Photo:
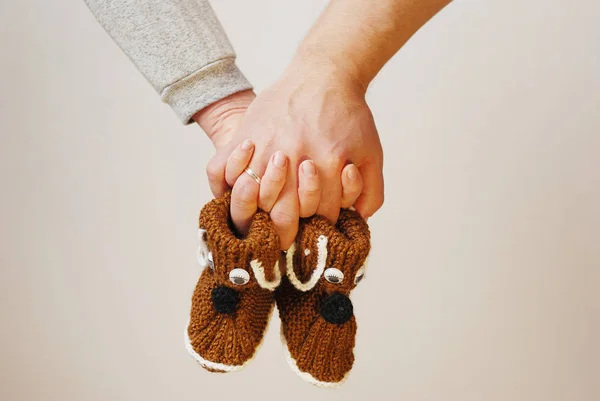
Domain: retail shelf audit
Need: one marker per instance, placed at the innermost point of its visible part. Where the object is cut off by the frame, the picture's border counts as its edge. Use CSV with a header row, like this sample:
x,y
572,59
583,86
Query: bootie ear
x,y
355,236
265,261
307,257
230,306
355,229
318,326
203,254
225,251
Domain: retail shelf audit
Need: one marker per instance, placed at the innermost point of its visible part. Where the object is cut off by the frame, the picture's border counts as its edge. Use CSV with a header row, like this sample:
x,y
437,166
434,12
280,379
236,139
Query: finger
x,y
244,203
238,161
309,188
371,198
285,213
272,182
352,185
331,195
215,171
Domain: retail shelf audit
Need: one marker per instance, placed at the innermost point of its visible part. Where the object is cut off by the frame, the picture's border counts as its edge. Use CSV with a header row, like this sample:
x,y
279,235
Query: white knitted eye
x,y
359,275
333,275
211,262
239,276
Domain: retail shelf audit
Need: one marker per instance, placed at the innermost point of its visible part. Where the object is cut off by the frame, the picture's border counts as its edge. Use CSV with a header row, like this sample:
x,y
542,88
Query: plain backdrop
x,y
485,271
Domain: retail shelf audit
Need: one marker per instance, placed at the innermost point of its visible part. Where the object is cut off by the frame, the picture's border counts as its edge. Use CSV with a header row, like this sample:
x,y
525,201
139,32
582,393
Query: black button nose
x,y
224,299
336,308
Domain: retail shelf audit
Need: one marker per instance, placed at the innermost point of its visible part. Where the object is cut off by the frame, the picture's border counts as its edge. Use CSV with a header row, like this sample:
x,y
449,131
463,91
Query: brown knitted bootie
x,y
318,327
233,299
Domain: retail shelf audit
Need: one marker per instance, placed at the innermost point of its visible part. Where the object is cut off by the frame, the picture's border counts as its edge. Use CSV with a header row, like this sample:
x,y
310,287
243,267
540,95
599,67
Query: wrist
x,y
220,118
312,61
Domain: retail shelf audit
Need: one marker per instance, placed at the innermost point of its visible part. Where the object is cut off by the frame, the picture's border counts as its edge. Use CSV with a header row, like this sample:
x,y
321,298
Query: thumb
x,y
215,171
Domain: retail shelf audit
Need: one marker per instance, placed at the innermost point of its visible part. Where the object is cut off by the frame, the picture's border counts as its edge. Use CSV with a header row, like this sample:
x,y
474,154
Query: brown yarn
x,y
320,348
230,251
232,338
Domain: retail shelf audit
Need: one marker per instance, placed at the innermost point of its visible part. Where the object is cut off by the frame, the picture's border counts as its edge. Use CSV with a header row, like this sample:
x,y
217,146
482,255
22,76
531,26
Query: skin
x,y
247,195
312,135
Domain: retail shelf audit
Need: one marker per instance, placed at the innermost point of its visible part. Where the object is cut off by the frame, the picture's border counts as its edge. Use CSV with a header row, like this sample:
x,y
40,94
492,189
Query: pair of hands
x,y
312,139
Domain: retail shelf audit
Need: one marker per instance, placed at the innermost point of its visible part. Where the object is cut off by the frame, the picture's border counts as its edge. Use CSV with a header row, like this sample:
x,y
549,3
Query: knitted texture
x,y
317,322
230,310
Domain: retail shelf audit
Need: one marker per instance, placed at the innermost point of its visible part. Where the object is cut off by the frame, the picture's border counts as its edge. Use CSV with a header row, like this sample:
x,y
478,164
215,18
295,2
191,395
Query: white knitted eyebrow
x,y
259,274
316,274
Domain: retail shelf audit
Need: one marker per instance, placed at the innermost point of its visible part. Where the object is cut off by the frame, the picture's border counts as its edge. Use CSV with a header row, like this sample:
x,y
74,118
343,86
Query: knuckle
x,y
214,170
310,191
277,179
235,159
266,200
283,218
244,194
239,156
373,205
309,184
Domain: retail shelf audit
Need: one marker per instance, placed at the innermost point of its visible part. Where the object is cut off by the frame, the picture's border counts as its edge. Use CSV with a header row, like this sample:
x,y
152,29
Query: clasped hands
x,y
310,138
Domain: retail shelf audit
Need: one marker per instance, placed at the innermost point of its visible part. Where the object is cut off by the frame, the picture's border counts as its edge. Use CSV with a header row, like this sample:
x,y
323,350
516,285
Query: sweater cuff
x,y
204,87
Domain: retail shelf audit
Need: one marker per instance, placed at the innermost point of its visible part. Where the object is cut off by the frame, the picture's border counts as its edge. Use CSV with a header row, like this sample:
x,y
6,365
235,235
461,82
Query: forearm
x,y
360,36
178,45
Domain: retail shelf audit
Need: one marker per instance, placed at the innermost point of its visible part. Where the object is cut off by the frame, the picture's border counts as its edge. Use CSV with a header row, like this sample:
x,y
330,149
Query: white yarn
x,y
305,375
221,366
209,364
321,260
202,252
259,274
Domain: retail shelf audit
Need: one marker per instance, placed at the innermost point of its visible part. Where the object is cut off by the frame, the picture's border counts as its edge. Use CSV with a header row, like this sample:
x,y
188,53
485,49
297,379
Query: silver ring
x,y
253,175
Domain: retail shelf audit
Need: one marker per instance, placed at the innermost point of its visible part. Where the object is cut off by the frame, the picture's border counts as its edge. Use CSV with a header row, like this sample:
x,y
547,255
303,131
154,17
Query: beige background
x,y
486,256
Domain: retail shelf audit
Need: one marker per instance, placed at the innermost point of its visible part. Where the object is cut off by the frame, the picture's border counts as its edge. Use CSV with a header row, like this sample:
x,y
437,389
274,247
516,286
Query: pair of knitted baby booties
x,y
243,278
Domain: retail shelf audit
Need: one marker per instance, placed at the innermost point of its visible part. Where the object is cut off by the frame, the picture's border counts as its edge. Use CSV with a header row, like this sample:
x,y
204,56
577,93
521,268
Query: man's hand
x,y
310,166
317,111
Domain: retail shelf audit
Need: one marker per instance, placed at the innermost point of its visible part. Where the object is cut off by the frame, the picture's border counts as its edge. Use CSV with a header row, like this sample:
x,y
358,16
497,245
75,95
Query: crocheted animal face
x,y
233,298
317,320
238,271
330,260
239,263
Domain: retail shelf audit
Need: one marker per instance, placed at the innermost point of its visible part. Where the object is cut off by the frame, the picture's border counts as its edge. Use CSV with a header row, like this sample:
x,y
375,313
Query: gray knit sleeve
x,y
178,45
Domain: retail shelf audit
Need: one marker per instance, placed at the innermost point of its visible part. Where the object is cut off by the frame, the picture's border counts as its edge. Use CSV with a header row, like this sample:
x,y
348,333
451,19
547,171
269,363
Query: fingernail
x,y
352,173
247,144
308,167
279,159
